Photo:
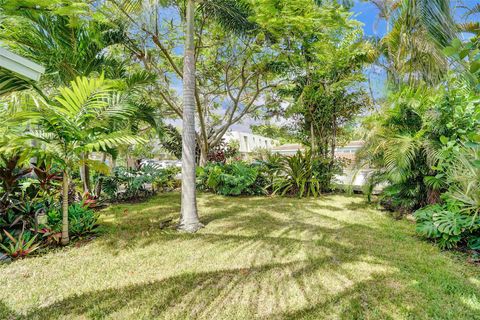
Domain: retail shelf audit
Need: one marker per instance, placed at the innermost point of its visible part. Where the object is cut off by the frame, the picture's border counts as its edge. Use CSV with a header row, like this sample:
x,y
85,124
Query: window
x,y
245,139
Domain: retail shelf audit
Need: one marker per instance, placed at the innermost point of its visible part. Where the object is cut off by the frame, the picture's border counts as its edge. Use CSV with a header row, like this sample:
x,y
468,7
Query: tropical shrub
x,y
223,152
233,179
304,175
456,220
24,199
133,184
403,150
448,225
166,179
82,220
270,164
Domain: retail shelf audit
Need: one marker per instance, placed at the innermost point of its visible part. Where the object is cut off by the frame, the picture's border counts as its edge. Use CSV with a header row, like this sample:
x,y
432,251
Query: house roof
x,y
297,146
20,65
289,147
355,143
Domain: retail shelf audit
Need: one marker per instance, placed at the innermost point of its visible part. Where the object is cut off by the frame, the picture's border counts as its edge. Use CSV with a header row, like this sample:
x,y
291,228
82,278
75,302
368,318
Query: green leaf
x,y
449,51
474,137
476,163
464,53
475,66
428,229
456,43
472,145
451,223
474,243
444,140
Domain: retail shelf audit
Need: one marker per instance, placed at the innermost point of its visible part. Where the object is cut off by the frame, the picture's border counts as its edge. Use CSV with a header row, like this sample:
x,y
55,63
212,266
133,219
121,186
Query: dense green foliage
x,y
30,212
301,175
233,179
304,175
424,143
82,220
133,184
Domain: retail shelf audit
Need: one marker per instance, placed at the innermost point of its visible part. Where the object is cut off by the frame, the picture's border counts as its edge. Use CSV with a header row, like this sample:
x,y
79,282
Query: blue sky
x,y
367,13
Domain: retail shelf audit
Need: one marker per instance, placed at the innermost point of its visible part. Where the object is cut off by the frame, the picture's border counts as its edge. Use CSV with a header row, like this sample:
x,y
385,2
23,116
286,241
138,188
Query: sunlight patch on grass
x,y
472,302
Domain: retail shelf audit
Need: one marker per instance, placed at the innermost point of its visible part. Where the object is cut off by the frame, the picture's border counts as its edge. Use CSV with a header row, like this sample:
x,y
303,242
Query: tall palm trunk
x,y
189,217
65,238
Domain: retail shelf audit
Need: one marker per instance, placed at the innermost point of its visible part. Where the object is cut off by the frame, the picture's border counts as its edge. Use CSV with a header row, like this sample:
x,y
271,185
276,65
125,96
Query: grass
x,y
266,258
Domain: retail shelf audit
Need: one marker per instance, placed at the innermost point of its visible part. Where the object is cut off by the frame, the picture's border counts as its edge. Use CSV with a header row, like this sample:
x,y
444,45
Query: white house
x,y
250,142
348,151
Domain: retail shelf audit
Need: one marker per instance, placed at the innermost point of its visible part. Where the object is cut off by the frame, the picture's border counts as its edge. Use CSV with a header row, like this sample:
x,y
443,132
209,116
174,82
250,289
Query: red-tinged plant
x,y
11,172
89,201
19,248
46,176
50,236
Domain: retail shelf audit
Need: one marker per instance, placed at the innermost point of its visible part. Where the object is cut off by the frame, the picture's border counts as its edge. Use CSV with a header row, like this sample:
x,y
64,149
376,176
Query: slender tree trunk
x,y
113,164
334,134
129,160
85,174
88,182
189,217
98,187
65,239
312,138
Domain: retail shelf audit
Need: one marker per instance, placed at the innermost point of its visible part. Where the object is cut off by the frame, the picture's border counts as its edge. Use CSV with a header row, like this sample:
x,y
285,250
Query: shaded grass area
x,y
258,258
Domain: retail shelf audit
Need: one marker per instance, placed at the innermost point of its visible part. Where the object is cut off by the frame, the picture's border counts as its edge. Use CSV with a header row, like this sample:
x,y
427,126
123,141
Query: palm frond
x,y
111,141
470,26
85,95
231,14
10,82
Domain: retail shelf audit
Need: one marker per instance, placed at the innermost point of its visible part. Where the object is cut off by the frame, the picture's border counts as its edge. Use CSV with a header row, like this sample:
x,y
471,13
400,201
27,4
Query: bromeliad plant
x,y
19,247
76,122
304,175
82,220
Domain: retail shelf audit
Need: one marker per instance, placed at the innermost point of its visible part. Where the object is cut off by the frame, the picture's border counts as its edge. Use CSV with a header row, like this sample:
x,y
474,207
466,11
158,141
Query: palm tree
x,y
189,216
401,147
417,31
67,49
66,131
231,15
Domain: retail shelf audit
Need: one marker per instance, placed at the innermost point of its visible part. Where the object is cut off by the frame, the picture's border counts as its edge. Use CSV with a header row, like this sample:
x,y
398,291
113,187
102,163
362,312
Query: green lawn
x,y
267,258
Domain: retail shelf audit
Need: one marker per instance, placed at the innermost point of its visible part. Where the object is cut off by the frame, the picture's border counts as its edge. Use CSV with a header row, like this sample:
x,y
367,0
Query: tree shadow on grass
x,y
244,293
295,262
274,291
6,313
275,224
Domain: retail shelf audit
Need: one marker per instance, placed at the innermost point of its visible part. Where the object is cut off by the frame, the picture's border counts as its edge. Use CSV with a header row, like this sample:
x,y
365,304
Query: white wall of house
x,y
250,142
